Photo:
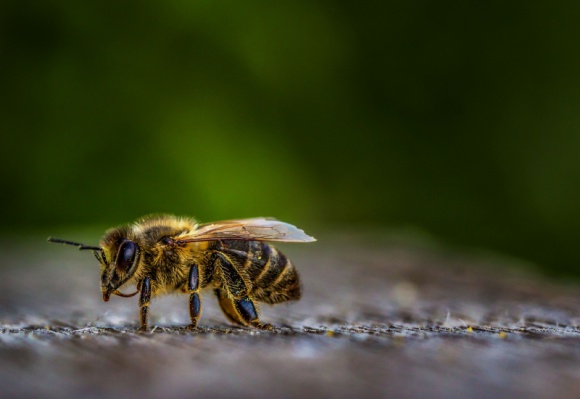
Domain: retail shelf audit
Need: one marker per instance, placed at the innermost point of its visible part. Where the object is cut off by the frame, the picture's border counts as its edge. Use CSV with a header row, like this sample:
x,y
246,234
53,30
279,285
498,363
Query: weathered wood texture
x,y
380,320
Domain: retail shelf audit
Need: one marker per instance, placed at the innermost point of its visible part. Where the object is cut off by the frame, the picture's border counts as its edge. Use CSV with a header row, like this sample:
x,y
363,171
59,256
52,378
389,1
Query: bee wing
x,y
255,229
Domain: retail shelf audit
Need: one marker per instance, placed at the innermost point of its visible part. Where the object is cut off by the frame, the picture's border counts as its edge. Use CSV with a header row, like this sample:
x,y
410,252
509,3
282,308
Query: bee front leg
x,y
144,300
194,298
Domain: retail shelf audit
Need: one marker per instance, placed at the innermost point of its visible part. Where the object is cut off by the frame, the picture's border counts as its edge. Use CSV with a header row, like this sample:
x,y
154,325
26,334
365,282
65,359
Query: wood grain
x,y
379,318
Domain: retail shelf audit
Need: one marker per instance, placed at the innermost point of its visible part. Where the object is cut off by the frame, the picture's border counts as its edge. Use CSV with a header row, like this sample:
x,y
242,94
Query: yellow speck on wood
x,y
502,334
469,329
330,333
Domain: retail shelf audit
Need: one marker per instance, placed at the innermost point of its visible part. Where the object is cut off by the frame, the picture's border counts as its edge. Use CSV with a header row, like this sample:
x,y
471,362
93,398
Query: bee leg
x,y
235,302
144,300
194,298
234,281
247,310
194,310
240,311
227,306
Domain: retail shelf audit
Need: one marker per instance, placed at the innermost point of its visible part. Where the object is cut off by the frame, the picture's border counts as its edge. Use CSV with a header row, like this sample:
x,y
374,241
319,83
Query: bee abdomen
x,y
274,279
258,257
272,269
278,280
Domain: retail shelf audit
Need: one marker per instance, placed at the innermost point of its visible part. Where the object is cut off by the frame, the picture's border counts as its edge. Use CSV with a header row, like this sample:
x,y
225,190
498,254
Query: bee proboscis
x,y
162,254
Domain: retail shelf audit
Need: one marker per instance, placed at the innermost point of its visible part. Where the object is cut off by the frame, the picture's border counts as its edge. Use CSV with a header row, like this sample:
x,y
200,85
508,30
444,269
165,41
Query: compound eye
x,y
126,255
167,241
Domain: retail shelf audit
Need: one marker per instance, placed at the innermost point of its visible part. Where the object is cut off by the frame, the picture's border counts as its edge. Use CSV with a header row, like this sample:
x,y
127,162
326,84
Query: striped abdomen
x,y
274,279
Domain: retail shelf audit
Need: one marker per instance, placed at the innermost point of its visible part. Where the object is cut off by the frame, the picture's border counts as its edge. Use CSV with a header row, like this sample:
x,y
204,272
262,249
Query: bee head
x,y
123,254
119,260
118,256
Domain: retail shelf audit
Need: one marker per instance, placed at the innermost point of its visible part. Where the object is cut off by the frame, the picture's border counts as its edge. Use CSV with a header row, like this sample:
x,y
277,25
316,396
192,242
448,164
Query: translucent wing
x,y
256,229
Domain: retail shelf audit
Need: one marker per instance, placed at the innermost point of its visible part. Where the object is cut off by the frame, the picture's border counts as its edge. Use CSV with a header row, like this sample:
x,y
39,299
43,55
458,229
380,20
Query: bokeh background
x,y
459,120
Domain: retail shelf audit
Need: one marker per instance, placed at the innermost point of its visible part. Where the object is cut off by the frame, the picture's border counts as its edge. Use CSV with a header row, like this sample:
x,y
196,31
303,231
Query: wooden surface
x,y
381,319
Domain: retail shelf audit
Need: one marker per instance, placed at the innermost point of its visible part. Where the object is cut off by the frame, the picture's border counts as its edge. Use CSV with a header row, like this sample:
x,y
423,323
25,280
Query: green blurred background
x,y
458,119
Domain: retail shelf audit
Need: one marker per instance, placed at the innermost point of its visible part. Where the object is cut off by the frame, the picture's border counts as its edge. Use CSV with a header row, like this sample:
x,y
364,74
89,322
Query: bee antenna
x,y
89,247
76,244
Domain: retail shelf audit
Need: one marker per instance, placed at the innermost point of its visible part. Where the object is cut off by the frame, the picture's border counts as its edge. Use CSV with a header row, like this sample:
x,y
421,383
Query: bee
x,y
162,254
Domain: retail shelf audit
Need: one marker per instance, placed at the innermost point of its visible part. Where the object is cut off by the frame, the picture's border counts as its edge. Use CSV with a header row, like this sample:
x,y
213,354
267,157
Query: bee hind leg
x,y
241,311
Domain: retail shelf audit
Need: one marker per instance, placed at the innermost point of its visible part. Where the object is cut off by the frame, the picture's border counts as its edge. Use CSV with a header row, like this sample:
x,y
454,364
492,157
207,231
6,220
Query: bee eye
x,y
166,241
126,255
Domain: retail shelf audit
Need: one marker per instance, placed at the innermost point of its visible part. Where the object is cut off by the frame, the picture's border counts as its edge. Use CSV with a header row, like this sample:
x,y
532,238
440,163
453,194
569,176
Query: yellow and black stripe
x,y
274,279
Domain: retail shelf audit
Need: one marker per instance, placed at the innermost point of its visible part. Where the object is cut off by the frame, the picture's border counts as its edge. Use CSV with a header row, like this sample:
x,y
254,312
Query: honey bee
x,y
162,254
